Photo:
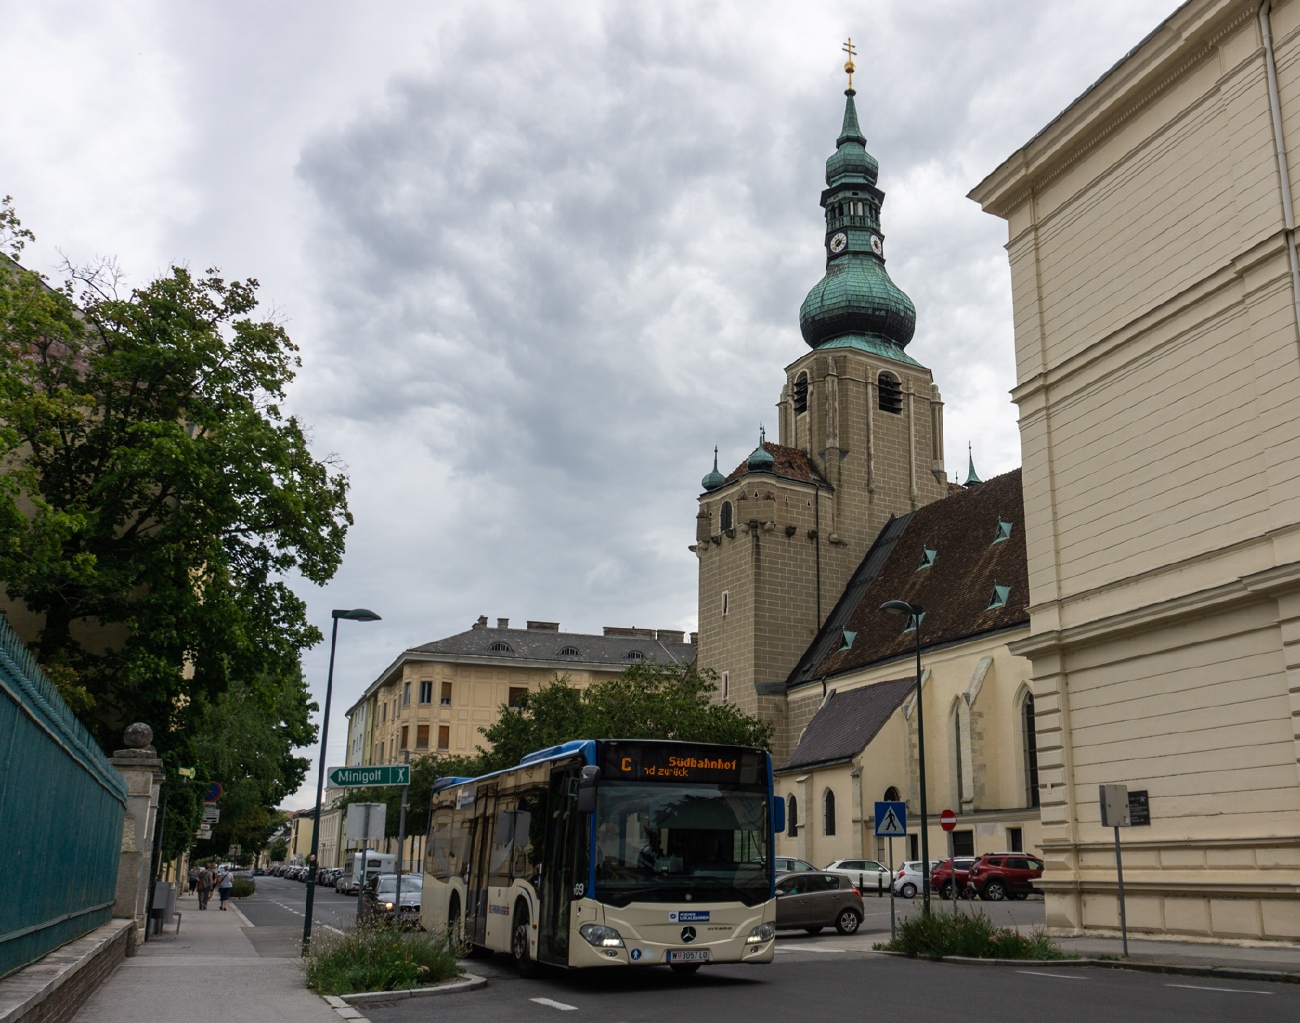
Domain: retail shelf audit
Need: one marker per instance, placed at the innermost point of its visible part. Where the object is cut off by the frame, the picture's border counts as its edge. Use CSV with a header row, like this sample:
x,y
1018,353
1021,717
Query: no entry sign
x,y
947,820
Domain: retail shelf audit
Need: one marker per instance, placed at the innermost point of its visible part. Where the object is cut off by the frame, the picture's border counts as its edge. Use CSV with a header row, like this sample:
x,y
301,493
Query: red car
x,y
941,877
998,876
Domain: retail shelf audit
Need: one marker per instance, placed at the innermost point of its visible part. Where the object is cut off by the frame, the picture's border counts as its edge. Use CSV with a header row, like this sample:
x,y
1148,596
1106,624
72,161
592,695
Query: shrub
x,y
379,956
243,888
975,936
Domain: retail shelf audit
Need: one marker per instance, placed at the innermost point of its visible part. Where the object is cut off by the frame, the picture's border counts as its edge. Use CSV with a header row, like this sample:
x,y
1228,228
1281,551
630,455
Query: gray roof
x,y
847,722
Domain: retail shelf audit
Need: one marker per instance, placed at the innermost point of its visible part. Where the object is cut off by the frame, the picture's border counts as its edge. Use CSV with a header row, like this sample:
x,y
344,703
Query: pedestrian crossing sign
x,y
891,820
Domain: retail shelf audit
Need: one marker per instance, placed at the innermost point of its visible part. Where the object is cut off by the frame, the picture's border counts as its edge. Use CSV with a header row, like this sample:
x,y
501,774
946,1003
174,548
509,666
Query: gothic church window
x,y
890,394
891,795
801,393
724,517
828,812
792,818
1029,740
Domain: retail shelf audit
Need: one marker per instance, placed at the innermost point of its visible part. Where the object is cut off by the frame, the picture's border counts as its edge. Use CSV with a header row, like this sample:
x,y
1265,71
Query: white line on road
x,y
1233,990
554,1004
1058,976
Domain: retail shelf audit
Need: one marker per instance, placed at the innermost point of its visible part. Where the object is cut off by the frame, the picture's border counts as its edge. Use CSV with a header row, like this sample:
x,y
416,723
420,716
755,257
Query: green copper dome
x,y
760,459
713,479
856,300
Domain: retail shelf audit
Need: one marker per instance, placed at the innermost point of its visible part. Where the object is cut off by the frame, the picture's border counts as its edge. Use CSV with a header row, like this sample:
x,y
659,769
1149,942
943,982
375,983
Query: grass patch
x,y
243,888
973,935
380,957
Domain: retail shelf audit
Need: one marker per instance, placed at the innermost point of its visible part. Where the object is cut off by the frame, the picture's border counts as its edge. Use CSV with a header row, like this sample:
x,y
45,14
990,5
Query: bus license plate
x,y
689,955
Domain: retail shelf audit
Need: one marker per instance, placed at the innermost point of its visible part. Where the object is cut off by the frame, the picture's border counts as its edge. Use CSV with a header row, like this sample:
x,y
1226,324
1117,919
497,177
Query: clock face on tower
x,y
876,247
839,242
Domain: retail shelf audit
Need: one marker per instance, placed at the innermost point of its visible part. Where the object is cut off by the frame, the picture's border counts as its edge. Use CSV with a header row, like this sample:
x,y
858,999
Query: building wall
x,y
984,682
1158,365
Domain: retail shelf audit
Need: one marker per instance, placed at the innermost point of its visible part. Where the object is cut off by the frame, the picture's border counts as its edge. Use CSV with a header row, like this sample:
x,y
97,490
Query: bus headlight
x,y
601,936
388,905
760,934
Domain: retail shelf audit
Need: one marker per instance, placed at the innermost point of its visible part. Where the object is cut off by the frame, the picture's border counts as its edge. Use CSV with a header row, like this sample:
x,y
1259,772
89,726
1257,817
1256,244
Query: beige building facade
x,y
1156,289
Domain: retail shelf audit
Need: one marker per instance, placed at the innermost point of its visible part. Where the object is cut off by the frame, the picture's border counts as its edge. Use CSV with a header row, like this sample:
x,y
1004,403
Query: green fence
x,y
61,809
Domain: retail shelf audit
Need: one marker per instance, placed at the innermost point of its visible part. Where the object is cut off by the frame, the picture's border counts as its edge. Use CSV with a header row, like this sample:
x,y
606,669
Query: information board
x,y
680,762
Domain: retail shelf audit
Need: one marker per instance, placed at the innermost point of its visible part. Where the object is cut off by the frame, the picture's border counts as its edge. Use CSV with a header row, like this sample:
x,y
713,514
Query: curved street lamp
x,y
915,611
359,614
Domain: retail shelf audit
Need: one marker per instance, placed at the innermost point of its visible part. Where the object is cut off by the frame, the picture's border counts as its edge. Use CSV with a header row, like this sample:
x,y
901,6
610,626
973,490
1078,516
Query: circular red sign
x,y
947,820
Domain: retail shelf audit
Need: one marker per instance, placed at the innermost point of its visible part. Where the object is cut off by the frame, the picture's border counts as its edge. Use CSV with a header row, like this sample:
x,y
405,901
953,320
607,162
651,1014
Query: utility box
x,y
1114,806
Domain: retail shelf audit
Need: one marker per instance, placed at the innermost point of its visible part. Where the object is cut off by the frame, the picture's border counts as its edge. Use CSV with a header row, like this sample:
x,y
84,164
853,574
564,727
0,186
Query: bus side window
x,y
437,862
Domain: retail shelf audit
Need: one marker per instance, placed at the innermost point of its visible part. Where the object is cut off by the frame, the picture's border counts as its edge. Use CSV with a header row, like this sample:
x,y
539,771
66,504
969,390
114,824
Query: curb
x,y
1176,969
345,1005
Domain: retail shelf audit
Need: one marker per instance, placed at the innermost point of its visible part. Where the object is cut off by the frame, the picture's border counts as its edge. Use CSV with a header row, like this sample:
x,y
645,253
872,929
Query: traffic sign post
x,y
891,823
1114,814
948,821
368,777
214,792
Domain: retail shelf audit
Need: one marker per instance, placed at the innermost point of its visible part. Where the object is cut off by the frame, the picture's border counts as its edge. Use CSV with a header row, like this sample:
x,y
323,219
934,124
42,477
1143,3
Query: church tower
x,y
860,439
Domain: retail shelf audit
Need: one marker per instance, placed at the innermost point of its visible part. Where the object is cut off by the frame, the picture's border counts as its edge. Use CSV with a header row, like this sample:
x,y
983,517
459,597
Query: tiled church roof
x,y
789,463
848,721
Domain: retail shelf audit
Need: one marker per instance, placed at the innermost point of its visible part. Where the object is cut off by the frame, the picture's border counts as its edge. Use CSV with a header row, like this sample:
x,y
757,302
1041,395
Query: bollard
x,y
880,886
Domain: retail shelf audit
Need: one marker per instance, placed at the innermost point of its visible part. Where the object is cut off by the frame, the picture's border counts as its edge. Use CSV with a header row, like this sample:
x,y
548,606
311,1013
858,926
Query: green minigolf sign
x,y
354,777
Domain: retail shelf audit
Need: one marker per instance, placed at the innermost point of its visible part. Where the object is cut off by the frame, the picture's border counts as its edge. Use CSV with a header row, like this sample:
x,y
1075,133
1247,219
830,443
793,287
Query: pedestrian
x,y
194,879
204,886
225,885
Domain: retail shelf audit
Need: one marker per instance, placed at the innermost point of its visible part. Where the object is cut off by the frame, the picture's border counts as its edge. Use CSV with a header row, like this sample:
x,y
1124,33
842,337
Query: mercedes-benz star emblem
x,y
688,934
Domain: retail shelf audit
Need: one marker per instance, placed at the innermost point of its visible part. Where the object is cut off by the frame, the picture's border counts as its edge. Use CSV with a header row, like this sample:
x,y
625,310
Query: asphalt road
x,y
279,902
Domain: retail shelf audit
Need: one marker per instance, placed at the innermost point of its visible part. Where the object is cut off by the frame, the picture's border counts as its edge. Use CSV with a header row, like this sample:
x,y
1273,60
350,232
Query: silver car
x,y
813,899
868,875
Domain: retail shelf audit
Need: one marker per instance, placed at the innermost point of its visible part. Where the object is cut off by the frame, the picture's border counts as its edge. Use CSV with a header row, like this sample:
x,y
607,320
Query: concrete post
x,y
141,767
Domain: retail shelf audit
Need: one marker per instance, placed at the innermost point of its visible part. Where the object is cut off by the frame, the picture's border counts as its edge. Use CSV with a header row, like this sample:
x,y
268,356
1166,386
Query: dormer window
x,y
635,655
724,517
913,621
570,651
1003,531
501,648
889,394
927,558
1000,594
846,639
801,393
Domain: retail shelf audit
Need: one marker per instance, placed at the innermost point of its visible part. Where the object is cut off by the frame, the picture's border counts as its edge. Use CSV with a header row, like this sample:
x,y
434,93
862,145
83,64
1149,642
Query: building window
x,y
724,517
828,812
889,394
406,695
570,651
801,393
914,843
516,697
963,843
406,735
1015,840
384,712
891,795
444,737
726,601
927,558
422,737
956,735
635,655
445,699
1003,532
501,648
726,684
999,599
426,692
1029,740
792,818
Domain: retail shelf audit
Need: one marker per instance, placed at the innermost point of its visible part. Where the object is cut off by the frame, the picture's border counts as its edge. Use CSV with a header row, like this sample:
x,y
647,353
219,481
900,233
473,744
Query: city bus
x,y
609,852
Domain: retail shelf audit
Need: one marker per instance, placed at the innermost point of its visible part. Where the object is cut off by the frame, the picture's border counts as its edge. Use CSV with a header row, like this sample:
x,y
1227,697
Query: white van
x,y
376,863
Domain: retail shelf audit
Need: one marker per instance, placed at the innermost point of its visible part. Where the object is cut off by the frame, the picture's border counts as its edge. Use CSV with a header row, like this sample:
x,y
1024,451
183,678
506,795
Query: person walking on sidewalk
x,y
194,879
225,886
205,886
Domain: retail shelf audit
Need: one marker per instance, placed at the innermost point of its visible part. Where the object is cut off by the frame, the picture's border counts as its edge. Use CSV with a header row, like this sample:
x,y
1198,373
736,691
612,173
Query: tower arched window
x,y
891,795
889,393
828,813
1029,743
724,517
801,393
792,818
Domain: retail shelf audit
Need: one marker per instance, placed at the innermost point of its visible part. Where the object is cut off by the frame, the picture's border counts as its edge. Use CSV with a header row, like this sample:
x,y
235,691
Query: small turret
x,y
761,460
713,479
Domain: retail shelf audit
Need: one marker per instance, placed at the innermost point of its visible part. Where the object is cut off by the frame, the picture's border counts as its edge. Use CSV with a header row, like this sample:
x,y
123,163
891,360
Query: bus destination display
x,y
679,762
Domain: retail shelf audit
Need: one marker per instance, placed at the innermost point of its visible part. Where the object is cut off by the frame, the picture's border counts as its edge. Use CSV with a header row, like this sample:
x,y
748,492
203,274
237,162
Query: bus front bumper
x,y
649,938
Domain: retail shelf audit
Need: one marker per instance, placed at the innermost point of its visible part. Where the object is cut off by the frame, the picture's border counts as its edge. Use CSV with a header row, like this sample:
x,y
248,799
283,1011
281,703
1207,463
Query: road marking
x,y
1058,976
815,948
1233,990
551,1003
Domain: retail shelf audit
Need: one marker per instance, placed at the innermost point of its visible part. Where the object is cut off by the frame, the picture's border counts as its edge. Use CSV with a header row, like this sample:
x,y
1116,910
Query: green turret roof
x,y
760,459
971,476
713,479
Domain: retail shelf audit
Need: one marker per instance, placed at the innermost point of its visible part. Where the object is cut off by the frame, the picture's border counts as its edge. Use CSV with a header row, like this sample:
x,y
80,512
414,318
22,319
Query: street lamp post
x,y
359,614
916,611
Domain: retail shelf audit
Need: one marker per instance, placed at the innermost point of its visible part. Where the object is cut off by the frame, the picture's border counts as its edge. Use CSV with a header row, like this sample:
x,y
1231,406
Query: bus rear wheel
x,y
519,941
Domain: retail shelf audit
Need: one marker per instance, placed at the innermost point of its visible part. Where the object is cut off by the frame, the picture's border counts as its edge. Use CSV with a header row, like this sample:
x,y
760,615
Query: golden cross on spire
x,y
849,66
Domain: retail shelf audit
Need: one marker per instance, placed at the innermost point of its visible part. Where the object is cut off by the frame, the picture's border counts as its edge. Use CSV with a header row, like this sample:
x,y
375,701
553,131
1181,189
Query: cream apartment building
x,y
1156,290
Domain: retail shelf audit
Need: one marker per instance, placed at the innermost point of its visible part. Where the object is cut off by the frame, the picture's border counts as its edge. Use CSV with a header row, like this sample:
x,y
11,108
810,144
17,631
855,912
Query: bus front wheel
x,y
519,941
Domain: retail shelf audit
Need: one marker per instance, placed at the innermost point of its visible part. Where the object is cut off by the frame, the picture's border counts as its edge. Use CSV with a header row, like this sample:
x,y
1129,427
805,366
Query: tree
x,y
277,851
154,494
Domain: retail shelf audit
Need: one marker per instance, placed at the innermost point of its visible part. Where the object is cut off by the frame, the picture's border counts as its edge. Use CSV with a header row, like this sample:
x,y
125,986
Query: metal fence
x,y
61,809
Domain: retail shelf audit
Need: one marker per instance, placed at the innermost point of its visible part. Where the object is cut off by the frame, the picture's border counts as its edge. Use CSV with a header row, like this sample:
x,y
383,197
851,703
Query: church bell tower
x,y
860,439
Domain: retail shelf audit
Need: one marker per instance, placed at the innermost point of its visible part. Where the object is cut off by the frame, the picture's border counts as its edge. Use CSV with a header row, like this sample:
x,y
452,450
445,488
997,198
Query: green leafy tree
x,y
154,494
277,851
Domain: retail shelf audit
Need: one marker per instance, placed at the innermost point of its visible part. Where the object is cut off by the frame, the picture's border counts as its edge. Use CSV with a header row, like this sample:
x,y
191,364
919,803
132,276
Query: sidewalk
x,y
212,971
1202,955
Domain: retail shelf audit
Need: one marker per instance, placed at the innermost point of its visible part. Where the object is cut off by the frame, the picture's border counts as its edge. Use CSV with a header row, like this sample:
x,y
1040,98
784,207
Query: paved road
x,y
824,979
279,902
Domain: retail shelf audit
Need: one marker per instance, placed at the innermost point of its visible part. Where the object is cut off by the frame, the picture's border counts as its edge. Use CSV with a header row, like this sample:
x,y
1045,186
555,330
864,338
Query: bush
x,y
937,935
243,888
380,957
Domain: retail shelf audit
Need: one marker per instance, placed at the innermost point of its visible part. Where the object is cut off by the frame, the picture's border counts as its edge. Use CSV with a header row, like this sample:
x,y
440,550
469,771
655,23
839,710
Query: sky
x,y
539,257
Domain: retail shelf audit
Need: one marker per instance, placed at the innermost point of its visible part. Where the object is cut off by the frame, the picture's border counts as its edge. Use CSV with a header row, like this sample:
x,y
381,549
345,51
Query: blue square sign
x,y
891,820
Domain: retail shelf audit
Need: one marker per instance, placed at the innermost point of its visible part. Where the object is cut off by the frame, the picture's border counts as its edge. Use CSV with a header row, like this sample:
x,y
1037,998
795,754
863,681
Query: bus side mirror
x,y
778,816
587,789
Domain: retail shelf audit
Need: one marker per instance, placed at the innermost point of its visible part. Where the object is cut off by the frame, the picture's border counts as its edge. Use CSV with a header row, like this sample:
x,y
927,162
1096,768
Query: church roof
x,y
787,463
847,722
962,559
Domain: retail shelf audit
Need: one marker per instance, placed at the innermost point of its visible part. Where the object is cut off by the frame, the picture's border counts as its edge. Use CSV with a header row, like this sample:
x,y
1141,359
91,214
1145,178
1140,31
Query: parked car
x,y
998,876
950,876
813,899
867,875
907,880
786,864
380,897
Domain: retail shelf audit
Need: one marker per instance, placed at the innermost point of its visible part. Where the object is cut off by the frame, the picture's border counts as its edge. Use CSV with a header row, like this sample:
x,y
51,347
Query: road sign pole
x,y
320,791
891,889
1123,920
365,848
401,840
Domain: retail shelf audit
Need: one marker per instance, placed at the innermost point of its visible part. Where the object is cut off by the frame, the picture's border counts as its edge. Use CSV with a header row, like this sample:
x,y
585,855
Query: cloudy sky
x,y
540,257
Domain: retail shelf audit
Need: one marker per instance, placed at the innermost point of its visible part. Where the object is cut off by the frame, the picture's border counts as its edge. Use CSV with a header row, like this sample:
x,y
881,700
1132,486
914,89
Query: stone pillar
x,y
141,767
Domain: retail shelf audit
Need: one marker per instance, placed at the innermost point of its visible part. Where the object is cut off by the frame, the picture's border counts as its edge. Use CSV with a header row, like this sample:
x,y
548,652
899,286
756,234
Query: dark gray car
x,y
813,899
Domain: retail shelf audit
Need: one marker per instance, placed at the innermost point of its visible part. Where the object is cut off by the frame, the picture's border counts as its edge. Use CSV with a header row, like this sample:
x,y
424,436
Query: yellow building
x,y
1156,288
301,825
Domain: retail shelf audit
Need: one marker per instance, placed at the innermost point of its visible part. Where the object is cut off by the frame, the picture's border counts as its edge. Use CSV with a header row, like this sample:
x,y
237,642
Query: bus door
x,y
476,886
564,865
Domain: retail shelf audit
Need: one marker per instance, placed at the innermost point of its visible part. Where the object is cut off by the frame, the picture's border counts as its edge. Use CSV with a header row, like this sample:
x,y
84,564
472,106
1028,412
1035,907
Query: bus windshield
x,y
662,842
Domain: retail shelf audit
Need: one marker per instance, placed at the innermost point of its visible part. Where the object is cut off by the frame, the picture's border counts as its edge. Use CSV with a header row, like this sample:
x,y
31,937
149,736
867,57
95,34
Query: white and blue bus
x,y
609,852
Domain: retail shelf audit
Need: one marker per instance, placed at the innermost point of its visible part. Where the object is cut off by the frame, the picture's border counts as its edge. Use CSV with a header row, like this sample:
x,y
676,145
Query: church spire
x,y
971,476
